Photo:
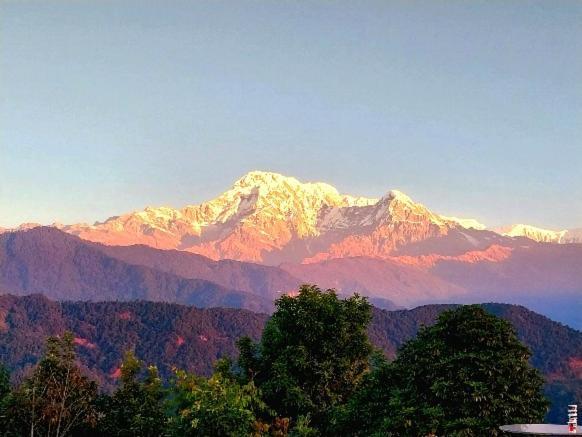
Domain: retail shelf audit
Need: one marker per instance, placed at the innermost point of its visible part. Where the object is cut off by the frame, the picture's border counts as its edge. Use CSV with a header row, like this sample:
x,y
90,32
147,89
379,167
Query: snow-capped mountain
x,y
270,218
572,236
261,213
467,223
533,233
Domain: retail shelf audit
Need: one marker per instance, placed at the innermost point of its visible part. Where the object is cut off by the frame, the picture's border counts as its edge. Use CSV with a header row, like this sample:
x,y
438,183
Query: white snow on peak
x,y
532,232
260,199
397,194
268,182
264,179
466,223
271,203
393,207
22,227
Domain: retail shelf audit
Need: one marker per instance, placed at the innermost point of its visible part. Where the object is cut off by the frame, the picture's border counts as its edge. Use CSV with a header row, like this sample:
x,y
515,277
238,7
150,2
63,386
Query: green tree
x,y
465,376
371,406
136,408
215,407
56,400
313,353
4,396
4,382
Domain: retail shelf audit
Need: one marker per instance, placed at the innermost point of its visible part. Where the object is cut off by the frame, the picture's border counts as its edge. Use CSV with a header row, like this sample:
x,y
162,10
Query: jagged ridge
x,y
270,218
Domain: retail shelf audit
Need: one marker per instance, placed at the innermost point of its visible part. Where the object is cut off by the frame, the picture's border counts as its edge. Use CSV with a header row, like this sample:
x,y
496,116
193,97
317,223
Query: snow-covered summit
x,y
267,214
467,223
270,182
533,233
398,195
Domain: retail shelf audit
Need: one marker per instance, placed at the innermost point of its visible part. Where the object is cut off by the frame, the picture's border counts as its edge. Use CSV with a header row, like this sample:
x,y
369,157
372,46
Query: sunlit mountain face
x,y
269,218
269,233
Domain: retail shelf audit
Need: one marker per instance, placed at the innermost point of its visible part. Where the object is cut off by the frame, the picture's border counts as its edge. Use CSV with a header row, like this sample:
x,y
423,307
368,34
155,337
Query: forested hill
x,y
556,348
171,335
192,338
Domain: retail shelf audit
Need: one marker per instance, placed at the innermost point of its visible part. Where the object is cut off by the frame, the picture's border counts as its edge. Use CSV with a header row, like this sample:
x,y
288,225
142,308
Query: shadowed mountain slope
x,y
544,277
258,279
63,267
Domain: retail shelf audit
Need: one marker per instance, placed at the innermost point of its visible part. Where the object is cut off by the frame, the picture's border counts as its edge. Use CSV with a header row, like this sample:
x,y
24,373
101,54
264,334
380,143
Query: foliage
x,y
56,400
313,352
218,406
136,408
154,330
366,411
4,396
4,383
311,374
303,428
466,375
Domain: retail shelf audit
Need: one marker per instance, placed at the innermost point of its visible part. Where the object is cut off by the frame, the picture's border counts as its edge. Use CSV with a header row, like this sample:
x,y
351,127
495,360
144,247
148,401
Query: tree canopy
x,y
136,408
312,373
57,399
218,406
313,352
4,395
466,375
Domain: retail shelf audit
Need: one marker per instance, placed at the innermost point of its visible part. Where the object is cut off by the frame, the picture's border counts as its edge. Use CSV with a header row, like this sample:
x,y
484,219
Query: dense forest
x,y
171,335
312,372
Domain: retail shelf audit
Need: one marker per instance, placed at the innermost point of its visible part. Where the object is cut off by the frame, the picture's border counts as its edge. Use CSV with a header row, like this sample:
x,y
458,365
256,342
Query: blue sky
x,y
473,108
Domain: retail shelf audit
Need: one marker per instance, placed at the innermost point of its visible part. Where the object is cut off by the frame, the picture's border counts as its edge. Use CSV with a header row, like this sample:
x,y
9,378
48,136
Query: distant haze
x,y
472,108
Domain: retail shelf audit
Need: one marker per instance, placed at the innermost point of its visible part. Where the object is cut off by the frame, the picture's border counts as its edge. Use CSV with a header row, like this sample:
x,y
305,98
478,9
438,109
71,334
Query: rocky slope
x,y
270,218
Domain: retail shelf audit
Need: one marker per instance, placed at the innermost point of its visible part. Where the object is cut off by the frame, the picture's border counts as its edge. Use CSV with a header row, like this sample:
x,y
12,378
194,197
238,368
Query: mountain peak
x,y
268,181
532,232
267,212
399,195
269,217
257,177
467,223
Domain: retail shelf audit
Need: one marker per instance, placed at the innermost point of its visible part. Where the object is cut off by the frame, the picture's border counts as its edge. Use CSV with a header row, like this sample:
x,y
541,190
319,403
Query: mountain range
x,y
269,233
270,219
63,267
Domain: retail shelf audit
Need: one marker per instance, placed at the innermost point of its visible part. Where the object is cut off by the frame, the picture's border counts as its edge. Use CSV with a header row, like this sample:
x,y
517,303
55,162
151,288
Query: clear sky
x,y
473,108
